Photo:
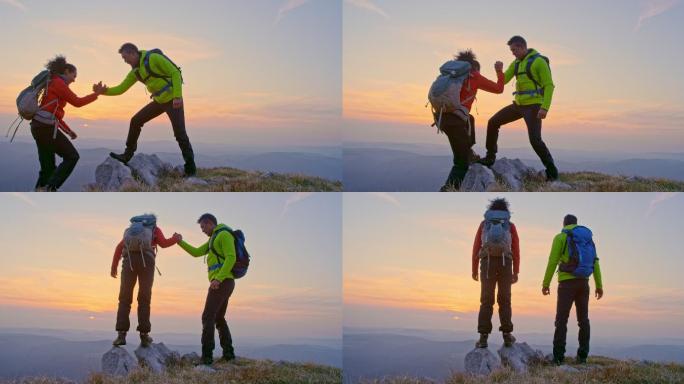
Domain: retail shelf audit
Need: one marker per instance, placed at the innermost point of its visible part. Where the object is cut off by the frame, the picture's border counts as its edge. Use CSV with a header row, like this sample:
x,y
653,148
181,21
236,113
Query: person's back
x,y
573,284
496,251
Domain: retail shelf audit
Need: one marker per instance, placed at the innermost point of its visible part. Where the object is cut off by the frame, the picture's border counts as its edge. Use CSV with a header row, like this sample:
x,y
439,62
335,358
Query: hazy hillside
x,y
27,354
20,162
377,355
379,169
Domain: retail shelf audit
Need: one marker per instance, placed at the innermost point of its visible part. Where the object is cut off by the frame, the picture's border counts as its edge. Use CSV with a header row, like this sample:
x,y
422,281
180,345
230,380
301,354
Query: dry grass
x,y
233,180
243,371
599,370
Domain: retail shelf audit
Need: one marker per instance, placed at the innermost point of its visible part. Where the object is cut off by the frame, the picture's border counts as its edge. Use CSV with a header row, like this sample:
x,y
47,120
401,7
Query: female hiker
x,y
48,127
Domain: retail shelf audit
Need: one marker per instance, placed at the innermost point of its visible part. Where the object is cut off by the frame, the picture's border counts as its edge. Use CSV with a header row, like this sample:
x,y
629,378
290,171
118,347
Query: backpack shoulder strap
x,y
211,242
528,68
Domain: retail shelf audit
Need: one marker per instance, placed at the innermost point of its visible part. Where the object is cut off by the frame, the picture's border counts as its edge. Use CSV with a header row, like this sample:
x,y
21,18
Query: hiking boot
x,y
122,157
229,357
581,360
473,157
206,360
558,360
551,173
145,340
482,343
488,160
120,340
508,339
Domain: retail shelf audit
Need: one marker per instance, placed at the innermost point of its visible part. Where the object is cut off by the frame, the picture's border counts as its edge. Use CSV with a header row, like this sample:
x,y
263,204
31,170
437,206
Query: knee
x,y
136,123
493,125
220,323
583,323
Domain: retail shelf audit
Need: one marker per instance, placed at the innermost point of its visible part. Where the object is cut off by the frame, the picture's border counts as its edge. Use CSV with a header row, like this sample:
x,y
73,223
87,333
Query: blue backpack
x,y
241,255
496,235
581,251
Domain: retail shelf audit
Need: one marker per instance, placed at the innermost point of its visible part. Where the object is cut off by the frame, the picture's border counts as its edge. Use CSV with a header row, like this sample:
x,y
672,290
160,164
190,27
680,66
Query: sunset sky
x,y
615,64
408,265
262,72
57,252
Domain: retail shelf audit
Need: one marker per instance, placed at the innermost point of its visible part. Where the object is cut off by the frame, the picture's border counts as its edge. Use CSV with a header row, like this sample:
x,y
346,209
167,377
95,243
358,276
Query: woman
x,y
49,121
460,133
138,248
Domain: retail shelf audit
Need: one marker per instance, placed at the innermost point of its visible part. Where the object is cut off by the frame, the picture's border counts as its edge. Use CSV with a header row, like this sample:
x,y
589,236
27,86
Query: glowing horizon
x,y
390,62
66,273
247,66
409,265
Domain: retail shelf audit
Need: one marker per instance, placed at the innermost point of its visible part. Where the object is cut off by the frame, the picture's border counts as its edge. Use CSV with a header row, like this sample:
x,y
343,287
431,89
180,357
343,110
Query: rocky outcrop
x,y
118,362
478,179
156,357
512,172
481,361
112,175
148,168
520,356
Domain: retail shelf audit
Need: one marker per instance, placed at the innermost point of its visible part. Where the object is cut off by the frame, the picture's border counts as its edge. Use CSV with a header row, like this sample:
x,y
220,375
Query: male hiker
x,y
574,252
533,92
138,249
497,251
220,261
163,81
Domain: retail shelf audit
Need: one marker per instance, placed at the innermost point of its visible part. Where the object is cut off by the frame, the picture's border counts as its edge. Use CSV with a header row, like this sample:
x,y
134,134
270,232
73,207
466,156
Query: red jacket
x,y
157,239
515,247
58,89
477,81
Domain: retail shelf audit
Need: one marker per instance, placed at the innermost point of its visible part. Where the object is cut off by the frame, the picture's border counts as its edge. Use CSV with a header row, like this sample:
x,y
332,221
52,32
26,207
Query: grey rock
x,y
111,175
204,368
560,185
157,356
481,361
148,167
118,362
520,356
478,179
191,358
196,181
567,368
513,172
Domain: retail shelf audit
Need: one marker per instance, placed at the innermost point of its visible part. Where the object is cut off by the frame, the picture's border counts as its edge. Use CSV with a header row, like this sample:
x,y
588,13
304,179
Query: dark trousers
x,y
572,291
51,176
145,276
472,130
512,113
214,315
495,272
177,117
460,141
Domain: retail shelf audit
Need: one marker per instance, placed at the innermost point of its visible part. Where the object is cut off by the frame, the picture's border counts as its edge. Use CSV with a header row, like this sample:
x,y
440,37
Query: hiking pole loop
x,y
10,127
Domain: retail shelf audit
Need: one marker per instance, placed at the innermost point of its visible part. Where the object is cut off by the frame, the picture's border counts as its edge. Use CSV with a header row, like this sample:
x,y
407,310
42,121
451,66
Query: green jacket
x,y
559,253
541,73
160,65
225,245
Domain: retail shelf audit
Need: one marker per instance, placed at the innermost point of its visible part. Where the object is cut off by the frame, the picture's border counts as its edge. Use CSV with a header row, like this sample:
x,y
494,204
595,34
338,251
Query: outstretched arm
x,y
161,240
489,86
195,252
123,87
64,93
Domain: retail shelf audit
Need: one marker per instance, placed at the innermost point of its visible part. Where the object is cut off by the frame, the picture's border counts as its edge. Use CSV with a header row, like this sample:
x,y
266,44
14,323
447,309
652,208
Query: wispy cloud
x,y
368,6
288,7
16,4
23,197
652,8
294,199
387,197
659,199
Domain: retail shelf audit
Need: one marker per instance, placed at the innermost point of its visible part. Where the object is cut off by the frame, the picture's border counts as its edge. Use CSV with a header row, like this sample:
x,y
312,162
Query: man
x,y
163,81
221,257
138,248
571,287
497,250
534,90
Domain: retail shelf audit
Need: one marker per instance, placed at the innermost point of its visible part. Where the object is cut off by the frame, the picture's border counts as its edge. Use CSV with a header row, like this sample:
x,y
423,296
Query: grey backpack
x,y
28,101
138,239
496,235
445,91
